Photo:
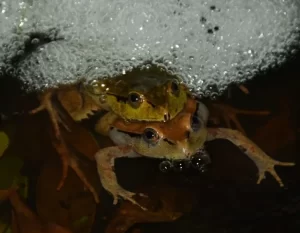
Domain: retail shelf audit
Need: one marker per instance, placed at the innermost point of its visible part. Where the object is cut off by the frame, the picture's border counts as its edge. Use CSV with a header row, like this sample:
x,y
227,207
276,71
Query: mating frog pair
x,y
138,96
161,120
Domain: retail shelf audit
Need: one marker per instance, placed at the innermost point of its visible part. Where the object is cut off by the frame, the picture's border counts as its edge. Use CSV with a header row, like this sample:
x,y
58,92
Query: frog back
x,y
140,95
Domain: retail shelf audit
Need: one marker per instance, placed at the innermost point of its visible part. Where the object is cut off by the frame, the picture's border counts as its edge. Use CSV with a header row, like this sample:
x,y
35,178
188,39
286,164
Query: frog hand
x,y
263,162
105,163
46,103
229,114
268,166
117,191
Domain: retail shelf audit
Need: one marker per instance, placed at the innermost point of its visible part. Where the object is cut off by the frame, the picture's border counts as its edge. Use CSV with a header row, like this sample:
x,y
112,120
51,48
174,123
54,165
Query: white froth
x,y
208,43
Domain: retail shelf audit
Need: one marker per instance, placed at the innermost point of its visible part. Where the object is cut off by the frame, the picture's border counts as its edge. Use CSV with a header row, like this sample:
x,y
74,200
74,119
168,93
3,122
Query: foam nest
x,y
209,44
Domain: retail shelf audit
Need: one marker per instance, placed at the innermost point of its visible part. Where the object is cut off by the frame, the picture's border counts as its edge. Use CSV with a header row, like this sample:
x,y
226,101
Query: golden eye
x,y
135,99
151,136
175,88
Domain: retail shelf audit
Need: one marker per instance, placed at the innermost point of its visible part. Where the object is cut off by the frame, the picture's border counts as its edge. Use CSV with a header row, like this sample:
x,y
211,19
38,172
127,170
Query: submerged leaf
x,y
10,167
4,142
80,222
4,227
64,207
25,220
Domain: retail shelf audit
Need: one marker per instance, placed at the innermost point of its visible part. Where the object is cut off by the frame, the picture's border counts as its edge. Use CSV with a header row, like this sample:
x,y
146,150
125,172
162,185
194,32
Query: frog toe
x,y
69,160
273,173
127,195
142,195
230,115
270,168
285,164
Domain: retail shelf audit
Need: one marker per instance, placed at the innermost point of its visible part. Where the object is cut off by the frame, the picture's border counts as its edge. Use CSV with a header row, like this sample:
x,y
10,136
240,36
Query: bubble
x,y
20,53
165,166
35,41
210,31
214,96
203,20
260,28
203,169
179,165
216,28
200,160
9,71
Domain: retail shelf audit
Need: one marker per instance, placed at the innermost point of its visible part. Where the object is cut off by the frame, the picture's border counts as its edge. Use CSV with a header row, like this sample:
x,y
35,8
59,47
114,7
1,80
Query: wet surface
x,y
224,199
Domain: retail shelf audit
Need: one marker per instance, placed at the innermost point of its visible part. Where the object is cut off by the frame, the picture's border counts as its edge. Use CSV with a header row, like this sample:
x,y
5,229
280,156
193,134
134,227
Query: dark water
x,y
224,199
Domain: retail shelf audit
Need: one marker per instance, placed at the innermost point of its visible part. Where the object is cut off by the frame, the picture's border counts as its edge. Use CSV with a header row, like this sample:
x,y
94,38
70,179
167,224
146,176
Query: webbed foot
x,y
229,114
69,160
268,166
46,103
263,162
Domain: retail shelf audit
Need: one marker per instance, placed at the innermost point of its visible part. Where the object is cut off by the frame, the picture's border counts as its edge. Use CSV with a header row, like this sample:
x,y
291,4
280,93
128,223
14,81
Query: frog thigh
x,y
104,123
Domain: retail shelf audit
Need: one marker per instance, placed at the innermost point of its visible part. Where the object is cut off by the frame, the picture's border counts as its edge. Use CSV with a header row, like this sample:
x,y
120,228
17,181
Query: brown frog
x,y
177,139
137,96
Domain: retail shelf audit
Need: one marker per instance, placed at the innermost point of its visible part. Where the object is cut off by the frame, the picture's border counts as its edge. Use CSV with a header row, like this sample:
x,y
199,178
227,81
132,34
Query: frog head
x,y
179,138
140,95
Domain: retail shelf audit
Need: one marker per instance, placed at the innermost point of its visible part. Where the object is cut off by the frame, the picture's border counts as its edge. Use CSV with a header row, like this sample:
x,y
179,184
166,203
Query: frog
x,y
177,139
139,96
151,95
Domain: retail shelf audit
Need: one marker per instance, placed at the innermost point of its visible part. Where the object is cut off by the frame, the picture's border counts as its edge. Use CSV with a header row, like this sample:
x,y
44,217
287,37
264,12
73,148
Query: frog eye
x,y
135,99
151,136
95,87
175,87
195,122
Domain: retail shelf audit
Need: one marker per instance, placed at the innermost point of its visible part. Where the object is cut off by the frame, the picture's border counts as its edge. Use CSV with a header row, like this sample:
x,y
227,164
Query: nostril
x,y
167,117
188,133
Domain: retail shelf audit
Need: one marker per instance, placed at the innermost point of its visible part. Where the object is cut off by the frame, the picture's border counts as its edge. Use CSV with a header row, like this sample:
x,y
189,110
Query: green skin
x,y
140,95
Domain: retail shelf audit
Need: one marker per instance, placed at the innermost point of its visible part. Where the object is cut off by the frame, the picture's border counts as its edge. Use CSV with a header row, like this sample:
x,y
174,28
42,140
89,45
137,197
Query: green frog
x,y
138,96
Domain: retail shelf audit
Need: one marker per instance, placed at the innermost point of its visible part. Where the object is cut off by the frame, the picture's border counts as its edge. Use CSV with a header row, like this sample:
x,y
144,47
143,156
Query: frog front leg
x,y
105,164
263,162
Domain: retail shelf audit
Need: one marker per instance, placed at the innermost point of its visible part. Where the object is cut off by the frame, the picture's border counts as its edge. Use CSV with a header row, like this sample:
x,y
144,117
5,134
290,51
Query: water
x,y
224,199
